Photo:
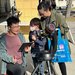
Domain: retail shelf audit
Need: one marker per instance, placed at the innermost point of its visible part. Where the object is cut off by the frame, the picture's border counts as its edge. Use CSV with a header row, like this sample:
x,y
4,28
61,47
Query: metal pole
x,y
49,69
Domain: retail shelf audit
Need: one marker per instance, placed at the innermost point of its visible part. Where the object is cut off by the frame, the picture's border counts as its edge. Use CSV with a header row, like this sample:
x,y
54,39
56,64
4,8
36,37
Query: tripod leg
x,y
34,71
49,69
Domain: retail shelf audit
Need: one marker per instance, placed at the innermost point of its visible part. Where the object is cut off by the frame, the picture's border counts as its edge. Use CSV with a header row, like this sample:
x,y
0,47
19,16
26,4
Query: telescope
x,y
47,54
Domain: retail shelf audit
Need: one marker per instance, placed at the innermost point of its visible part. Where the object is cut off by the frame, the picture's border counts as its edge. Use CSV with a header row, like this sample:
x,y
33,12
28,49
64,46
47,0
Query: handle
x,y
59,33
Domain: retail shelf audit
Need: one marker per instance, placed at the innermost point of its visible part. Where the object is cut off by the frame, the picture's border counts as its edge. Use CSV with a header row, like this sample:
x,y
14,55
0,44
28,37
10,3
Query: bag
x,y
62,54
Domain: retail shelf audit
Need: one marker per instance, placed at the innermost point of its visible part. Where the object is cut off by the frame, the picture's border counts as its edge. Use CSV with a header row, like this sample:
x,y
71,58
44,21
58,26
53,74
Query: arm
x,y
62,23
30,36
3,54
41,42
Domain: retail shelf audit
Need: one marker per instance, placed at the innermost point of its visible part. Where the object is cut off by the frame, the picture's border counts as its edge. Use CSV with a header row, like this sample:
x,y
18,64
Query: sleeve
x,y
24,56
62,23
30,36
41,42
3,54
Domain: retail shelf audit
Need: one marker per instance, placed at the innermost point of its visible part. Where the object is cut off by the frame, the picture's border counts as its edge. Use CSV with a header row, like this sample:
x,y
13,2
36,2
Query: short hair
x,y
35,21
12,20
44,5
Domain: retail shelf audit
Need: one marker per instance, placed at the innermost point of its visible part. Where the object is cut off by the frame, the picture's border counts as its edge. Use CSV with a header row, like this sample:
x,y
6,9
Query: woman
x,y
49,16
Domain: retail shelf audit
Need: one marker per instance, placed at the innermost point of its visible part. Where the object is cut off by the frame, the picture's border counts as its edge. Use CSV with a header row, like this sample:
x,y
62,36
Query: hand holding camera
x,y
34,37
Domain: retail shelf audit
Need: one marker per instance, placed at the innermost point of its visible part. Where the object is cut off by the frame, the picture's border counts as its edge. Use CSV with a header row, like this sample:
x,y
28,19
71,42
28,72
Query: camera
x,y
48,31
50,28
38,33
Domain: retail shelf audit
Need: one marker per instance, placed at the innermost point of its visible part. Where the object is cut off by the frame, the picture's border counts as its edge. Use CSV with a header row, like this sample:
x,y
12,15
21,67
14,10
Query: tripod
x,y
45,56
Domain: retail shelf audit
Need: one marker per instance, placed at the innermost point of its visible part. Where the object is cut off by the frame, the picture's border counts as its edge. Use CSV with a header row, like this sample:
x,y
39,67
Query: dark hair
x,y
35,21
44,5
12,20
53,4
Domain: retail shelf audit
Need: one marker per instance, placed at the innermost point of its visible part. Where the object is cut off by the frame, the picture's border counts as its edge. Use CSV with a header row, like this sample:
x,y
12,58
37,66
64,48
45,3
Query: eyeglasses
x,y
15,26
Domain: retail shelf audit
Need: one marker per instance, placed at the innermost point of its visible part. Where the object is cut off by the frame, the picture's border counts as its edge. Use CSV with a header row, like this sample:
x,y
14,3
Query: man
x,y
13,61
49,16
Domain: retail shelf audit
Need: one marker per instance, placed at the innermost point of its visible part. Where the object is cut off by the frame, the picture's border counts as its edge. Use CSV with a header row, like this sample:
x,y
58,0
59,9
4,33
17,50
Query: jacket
x,y
39,44
58,20
5,57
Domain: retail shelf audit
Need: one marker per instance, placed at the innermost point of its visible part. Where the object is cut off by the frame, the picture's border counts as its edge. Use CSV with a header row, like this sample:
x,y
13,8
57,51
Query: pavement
x,y
69,65
71,26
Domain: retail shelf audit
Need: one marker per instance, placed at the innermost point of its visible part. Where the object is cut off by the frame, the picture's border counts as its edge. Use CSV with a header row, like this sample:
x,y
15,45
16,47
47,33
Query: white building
x,y
73,3
63,3
6,5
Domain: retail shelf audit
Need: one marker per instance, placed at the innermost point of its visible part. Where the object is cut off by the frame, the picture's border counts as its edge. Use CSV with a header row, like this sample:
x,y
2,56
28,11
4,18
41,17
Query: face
x,y
44,13
34,27
14,29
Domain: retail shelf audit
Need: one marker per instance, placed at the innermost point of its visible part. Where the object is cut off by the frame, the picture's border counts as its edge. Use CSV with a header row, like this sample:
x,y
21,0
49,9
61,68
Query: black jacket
x,y
39,44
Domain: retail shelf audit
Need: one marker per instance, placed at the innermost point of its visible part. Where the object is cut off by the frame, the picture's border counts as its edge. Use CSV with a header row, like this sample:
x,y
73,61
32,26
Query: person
x,y
50,16
39,42
13,61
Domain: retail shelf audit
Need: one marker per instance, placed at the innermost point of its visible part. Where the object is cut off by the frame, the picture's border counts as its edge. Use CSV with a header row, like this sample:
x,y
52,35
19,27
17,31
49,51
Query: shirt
x,y
13,44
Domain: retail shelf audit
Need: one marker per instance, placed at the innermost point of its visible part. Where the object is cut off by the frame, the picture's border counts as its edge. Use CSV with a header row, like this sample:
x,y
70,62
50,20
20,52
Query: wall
x,y
25,30
28,9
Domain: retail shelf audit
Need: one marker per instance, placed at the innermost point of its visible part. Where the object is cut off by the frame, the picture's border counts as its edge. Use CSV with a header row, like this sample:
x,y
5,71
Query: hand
x,y
27,49
5,74
33,44
34,37
15,60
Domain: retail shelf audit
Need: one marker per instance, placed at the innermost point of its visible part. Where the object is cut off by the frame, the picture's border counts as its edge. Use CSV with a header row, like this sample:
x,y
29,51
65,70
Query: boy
x,y
38,43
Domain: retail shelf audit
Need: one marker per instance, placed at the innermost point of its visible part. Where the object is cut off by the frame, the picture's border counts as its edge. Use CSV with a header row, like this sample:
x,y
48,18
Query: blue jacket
x,y
5,57
39,43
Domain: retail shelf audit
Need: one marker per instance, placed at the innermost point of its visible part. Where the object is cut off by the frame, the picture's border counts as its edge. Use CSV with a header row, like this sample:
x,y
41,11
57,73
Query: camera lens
x,y
52,27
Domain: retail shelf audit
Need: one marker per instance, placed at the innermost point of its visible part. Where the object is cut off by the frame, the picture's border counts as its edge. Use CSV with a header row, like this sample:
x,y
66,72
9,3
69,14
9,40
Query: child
x,y
38,42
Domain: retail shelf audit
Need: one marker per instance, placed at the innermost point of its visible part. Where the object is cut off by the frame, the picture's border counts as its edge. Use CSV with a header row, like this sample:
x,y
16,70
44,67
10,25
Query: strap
x,y
59,34
49,43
